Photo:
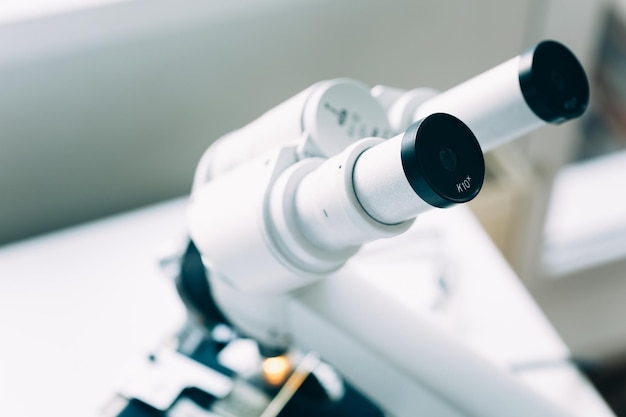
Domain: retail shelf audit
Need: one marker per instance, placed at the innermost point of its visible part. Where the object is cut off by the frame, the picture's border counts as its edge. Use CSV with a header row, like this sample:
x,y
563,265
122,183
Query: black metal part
x,y
553,82
442,160
194,289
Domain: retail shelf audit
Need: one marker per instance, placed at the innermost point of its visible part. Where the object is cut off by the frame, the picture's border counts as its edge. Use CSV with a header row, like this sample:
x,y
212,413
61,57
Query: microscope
x,y
277,216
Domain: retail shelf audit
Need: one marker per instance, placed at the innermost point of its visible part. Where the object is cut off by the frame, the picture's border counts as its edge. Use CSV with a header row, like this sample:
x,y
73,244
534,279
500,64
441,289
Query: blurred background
x,y
106,106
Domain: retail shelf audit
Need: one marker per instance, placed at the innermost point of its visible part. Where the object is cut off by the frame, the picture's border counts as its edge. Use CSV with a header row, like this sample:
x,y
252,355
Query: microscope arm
x,y
399,358
393,353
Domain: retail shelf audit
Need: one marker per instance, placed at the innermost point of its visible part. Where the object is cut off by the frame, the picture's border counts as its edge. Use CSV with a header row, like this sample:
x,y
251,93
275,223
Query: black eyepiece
x,y
553,82
442,160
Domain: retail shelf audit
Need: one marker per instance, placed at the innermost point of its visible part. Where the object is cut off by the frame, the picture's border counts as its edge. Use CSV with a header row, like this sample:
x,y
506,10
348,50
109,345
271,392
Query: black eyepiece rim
x,y
435,186
543,101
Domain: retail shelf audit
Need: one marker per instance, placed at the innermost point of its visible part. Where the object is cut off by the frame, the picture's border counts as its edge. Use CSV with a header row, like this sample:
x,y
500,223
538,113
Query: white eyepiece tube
x,y
545,84
437,162
353,198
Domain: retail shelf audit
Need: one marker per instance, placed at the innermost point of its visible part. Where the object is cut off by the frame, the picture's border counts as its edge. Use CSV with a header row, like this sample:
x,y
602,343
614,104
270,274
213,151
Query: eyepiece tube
x,y
437,162
376,188
545,84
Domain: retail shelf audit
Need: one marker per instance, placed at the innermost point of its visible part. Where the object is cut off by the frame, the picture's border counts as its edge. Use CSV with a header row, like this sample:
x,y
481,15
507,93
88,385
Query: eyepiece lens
x,y
448,159
558,81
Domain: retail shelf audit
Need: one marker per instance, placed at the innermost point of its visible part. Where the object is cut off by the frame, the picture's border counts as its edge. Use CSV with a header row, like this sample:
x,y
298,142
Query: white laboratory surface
x,y
77,305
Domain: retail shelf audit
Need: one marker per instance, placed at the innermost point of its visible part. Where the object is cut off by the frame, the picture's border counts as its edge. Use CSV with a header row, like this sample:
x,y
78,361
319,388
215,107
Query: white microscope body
x,y
280,206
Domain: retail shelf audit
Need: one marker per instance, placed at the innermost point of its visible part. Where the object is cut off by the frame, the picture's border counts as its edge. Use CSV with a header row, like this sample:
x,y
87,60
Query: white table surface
x,y
77,305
